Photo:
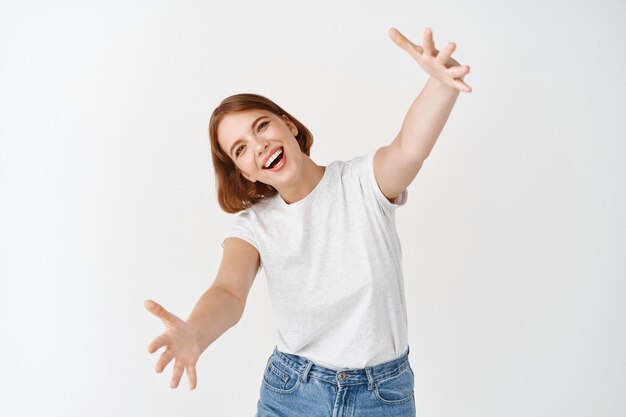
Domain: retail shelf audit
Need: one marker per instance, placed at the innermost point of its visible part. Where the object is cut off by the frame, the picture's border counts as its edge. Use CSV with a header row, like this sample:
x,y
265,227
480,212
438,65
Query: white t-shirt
x,y
333,266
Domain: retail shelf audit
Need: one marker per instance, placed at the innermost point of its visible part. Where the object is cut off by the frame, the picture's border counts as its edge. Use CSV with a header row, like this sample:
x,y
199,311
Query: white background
x,y
513,235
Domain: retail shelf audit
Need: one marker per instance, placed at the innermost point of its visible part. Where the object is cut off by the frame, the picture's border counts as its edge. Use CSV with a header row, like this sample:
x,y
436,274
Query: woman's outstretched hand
x,y
438,64
180,342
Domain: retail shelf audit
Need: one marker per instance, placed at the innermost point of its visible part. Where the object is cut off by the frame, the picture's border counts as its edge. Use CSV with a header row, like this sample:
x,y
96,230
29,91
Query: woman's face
x,y
252,137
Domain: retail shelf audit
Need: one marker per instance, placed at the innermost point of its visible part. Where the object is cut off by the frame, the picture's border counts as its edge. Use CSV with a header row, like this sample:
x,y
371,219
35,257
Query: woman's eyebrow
x,y
251,127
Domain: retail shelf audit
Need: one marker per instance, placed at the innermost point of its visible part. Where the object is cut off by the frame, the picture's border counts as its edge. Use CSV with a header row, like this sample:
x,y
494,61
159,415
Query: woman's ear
x,y
292,127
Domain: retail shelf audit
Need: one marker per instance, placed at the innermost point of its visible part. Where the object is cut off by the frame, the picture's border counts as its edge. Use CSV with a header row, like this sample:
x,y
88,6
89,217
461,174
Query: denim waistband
x,y
369,374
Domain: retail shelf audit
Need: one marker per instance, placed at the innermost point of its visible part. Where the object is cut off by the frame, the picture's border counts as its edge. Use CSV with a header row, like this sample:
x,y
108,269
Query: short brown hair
x,y
234,192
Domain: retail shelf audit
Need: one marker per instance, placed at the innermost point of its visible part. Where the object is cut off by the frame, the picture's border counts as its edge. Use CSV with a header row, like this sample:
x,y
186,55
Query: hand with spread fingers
x,y
438,64
180,343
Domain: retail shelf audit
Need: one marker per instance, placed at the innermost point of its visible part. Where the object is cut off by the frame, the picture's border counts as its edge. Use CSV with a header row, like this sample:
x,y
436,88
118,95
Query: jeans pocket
x,y
280,377
397,389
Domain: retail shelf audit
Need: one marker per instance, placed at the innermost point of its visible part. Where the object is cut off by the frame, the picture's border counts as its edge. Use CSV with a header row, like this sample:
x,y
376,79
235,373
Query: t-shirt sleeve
x,y
365,171
242,228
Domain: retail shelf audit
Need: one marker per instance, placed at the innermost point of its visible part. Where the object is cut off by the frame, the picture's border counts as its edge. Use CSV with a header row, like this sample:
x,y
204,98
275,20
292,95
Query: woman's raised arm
x,y
217,310
397,164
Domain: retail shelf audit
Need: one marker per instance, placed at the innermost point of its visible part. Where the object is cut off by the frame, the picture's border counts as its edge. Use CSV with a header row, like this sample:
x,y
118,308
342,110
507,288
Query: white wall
x,y
513,235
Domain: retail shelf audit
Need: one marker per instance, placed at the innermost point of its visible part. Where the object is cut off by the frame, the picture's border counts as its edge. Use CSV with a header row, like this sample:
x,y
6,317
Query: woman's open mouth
x,y
278,162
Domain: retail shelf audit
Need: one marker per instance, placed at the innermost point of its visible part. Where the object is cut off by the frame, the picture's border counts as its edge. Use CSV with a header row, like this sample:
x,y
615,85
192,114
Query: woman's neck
x,y
310,175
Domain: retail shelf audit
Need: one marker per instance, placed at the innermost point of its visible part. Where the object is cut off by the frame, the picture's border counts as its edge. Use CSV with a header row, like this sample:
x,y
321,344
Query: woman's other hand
x,y
438,64
180,345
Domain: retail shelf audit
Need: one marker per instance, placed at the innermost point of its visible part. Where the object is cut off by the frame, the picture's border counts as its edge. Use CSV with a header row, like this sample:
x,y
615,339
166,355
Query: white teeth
x,y
274,156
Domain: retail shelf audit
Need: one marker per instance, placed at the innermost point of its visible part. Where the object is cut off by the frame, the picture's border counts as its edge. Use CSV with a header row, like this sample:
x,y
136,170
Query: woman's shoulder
x,y
353,164
262,205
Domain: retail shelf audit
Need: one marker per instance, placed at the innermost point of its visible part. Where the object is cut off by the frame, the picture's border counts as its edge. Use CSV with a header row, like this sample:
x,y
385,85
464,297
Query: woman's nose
x,y
262,146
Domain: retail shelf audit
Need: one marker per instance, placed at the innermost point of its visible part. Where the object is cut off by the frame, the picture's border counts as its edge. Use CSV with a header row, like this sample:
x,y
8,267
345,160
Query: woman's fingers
x,y
458,71
177,345
429,44
177,374
165,358
399,39
158,310
158,342
444,55
191,374
462,86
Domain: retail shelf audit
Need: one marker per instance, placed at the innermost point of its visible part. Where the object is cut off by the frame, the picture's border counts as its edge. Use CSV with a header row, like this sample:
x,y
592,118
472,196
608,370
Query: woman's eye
x,y
243,146
262,124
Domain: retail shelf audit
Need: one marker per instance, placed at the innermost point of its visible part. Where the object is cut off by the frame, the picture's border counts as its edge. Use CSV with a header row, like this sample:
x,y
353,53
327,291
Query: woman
x,y
326,237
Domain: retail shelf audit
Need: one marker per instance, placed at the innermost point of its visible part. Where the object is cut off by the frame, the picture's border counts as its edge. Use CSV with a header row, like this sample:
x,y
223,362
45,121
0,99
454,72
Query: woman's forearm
x,y
426,118
215,312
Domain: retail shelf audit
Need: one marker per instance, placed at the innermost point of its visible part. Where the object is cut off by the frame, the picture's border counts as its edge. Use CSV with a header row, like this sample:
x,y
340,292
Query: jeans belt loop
x,y
305,373
370,378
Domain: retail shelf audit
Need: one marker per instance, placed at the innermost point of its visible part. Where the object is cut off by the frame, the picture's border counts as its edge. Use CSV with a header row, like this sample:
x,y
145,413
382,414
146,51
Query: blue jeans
x,y
293,386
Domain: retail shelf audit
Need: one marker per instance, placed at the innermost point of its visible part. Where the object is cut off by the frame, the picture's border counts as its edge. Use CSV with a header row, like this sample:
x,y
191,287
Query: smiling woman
x,y
251,153
327,240
234,161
